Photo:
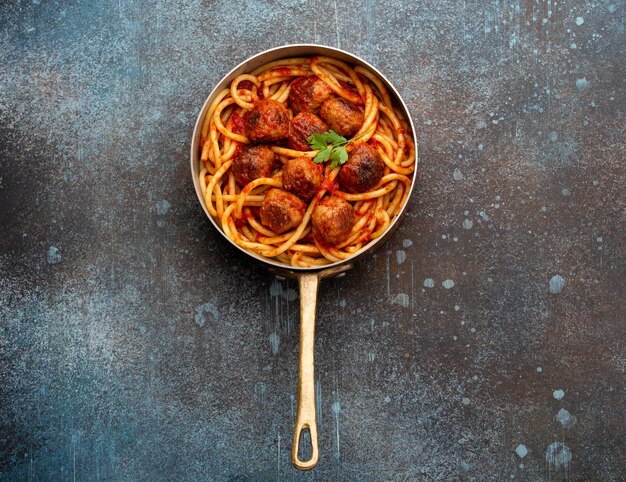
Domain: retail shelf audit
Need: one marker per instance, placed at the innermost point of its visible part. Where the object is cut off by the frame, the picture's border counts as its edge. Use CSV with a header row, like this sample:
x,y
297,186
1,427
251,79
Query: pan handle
x,y
306,418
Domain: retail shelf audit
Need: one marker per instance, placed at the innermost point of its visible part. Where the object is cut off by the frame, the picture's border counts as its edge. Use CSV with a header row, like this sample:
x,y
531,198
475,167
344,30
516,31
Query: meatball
x,y
302,177
363,170
281,210
307,94
332,220
252,163
341,116
268,121
303,126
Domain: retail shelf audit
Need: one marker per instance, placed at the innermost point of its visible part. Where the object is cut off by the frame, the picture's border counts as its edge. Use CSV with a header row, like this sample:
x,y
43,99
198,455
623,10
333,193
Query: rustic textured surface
x,y
485,341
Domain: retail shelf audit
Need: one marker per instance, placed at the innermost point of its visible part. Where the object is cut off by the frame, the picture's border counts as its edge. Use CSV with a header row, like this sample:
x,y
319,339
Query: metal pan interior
x,y
257,61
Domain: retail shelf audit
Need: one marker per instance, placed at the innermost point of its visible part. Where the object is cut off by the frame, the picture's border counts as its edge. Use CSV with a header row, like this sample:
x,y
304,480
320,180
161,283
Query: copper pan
x,y
308,278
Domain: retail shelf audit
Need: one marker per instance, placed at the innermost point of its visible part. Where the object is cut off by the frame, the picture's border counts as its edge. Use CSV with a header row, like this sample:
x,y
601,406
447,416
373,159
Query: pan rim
x,y
315,49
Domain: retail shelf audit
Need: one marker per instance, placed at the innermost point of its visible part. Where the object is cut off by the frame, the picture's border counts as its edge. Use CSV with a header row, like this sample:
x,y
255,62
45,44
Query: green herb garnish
x,y
331,146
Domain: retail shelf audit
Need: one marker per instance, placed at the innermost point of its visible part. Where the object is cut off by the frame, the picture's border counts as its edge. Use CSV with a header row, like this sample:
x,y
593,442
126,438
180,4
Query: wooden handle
x,y
306,417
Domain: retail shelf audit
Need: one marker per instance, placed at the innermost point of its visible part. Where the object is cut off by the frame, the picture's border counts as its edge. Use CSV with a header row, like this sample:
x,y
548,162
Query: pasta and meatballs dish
x,y
305,160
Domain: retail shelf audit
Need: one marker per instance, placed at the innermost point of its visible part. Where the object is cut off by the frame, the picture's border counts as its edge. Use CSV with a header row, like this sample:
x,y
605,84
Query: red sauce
x,y
352,92
248,213
238,123
254,212
238,149
245,84
327,185
323,243
240,223
283,71
374,143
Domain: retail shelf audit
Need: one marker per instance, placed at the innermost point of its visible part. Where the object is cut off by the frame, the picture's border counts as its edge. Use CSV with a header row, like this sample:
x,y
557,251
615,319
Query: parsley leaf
x,y
331,137
317,142
331,146
338,156
322,156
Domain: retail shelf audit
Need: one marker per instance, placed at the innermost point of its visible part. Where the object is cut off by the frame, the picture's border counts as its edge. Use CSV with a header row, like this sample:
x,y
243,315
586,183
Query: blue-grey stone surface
x,y
485,341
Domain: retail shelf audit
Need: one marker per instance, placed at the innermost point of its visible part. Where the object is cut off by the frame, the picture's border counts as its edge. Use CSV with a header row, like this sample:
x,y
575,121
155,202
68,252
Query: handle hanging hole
x,y
305,451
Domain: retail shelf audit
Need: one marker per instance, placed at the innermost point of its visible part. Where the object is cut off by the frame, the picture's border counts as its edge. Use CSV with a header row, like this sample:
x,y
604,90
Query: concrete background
x,y
484,341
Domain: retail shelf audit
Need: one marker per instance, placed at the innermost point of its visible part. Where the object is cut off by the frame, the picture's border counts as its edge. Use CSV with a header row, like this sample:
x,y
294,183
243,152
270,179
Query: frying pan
x,y
308,278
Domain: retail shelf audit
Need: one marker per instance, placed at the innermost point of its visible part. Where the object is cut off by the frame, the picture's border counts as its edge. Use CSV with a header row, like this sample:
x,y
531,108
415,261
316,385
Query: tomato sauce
x,y
245,85
238,123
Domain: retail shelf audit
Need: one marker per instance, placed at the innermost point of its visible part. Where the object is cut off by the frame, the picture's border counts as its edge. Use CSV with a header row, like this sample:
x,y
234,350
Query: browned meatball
x,y
332,219
281,210
268,121
363,170
303,126
341,116
252,163
307,94
302,177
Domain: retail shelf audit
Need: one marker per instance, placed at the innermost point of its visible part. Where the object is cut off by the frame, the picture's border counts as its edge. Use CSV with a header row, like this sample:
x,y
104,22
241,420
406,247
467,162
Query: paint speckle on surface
x,y
163,207
429,283
553,136
539,369
407,243
558,455
566,192
54,255
465,400
387,399
521,450
557,283
336,408
290,295
402,299
400,256
582,84
558,394
468,224
276,288
457,175
457,307
203,310
566,419
447,284
580,20
274,342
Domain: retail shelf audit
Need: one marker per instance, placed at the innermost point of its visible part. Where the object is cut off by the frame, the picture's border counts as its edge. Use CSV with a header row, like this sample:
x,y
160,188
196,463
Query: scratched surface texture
x,y
484,341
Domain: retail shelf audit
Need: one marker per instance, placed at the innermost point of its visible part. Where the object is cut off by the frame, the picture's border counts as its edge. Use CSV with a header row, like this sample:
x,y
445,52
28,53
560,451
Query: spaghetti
x,y
258,179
